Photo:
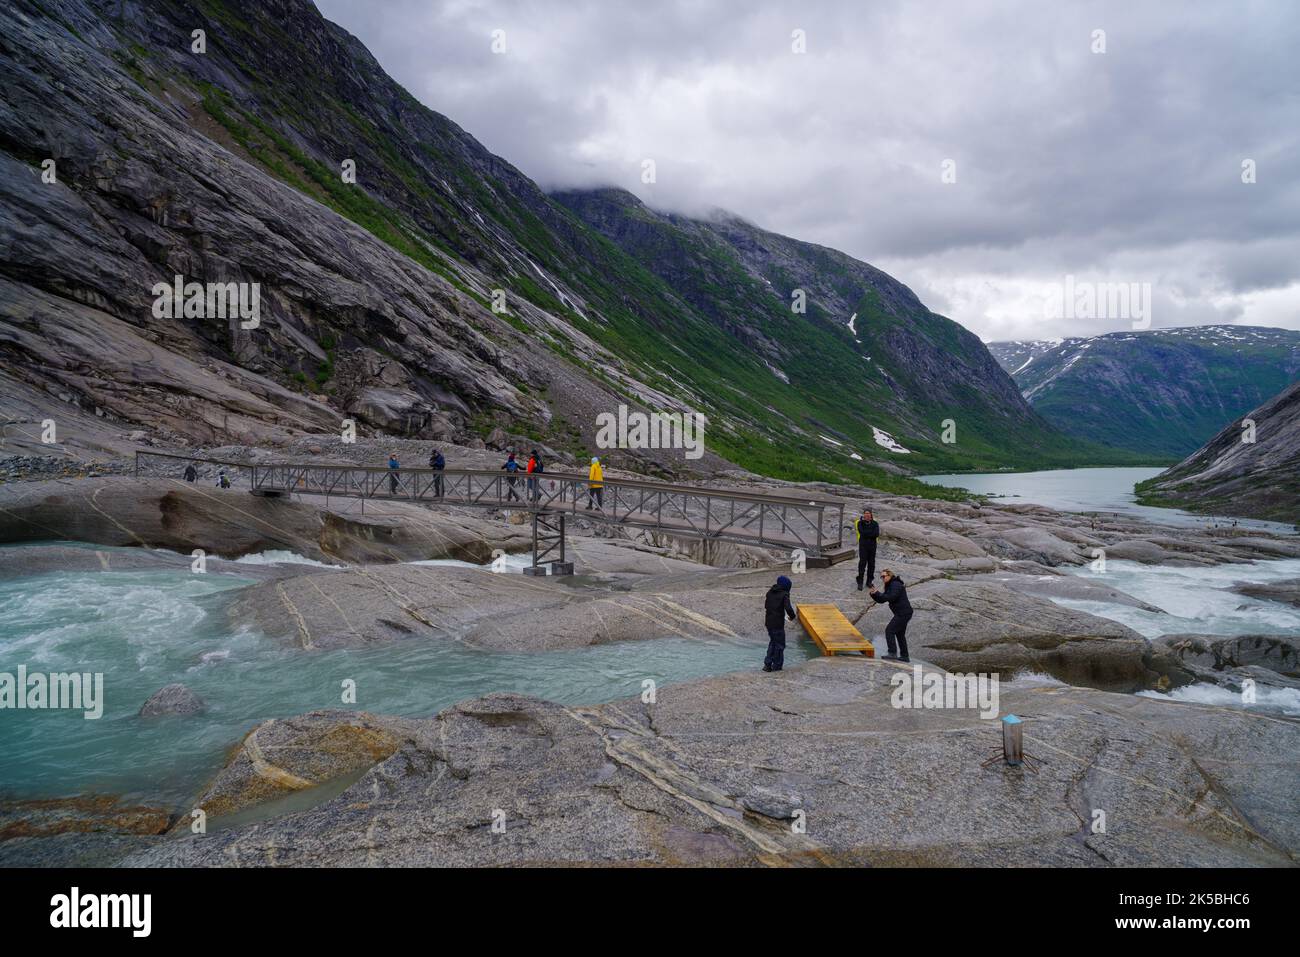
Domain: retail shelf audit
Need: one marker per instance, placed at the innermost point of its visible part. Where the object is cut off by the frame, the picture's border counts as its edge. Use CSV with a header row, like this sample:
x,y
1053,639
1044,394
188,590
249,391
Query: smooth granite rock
x,y
180,516
717,772
1227,660
1286,591
172,699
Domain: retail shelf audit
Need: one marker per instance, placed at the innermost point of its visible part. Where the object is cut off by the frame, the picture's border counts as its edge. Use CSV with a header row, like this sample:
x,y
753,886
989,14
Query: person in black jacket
x,y
867,530
896,594
776,608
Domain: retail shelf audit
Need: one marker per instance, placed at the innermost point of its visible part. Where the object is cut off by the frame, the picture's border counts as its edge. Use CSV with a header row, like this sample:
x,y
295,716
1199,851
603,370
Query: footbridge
x,y
816,526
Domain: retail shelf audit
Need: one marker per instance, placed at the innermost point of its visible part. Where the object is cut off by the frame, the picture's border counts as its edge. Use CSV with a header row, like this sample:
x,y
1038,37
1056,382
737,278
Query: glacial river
x,y
146,629
1192,600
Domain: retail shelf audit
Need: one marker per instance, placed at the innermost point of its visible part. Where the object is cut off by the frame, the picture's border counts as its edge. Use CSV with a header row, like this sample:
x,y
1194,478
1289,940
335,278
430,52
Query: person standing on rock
x,y
437,463
393,466
191,473
896,631
776,608
868,530
595,485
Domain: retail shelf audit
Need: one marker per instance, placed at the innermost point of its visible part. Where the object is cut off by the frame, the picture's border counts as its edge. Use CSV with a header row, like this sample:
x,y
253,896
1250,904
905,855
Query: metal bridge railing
x,y
745,518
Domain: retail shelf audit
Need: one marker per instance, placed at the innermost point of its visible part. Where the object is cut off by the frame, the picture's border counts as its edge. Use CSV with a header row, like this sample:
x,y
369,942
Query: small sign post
x,y
1013,740
1012,753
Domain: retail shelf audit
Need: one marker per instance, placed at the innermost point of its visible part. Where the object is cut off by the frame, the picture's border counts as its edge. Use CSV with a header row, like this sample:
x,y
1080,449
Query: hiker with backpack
x,y
534,468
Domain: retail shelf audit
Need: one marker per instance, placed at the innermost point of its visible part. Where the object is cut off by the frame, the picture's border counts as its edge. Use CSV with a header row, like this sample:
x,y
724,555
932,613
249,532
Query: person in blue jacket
x,y
511,468
437,462
393,466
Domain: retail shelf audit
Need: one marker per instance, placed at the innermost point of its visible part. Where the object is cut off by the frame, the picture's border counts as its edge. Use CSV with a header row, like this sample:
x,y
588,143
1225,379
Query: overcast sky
x,y
1122,166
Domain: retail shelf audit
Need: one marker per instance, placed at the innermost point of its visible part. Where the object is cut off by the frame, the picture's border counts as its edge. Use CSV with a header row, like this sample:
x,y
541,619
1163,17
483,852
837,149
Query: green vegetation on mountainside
x,y
432,193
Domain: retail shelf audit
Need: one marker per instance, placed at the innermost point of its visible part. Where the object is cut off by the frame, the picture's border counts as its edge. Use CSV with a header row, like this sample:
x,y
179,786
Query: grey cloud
x,y
1109,164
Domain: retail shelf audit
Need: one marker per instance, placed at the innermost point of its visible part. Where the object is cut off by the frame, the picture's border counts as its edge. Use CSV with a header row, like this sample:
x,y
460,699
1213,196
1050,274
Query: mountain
x,y
1015,355
1163,392
866,352
1230,476
377,296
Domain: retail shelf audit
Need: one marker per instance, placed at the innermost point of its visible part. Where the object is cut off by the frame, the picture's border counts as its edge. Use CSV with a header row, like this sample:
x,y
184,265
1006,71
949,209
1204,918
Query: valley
x,y
398,510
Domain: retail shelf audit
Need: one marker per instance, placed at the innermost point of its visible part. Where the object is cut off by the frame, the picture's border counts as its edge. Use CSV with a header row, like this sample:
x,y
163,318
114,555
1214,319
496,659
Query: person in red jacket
x,y
534,466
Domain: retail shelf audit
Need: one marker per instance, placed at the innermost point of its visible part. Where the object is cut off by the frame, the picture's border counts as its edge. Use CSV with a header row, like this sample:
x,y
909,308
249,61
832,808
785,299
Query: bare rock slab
x,y
172,699
1287,591
714,771
977,626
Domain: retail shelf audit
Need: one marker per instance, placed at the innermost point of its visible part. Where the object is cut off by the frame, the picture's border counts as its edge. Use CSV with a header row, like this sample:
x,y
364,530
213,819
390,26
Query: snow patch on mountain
x,y
887,441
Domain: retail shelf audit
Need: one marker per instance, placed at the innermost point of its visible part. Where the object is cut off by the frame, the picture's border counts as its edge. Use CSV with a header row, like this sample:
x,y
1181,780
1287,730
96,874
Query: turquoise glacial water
x,y
1085,490
146,629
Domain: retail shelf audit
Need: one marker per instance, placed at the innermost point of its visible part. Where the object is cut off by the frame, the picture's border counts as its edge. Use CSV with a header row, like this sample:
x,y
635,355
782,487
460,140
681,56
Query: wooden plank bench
x,y
832,632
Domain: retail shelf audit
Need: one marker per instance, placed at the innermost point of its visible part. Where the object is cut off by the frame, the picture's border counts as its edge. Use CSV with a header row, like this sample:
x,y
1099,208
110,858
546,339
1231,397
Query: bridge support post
x,y
548,541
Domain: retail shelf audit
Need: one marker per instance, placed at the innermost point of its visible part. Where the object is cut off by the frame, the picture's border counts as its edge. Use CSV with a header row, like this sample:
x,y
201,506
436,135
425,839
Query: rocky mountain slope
x,y
1229,476
228,165
1013,355
1163,392
867,351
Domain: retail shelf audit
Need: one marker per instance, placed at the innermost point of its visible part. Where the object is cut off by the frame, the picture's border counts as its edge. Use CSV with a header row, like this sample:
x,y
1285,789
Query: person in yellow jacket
x,y
595,485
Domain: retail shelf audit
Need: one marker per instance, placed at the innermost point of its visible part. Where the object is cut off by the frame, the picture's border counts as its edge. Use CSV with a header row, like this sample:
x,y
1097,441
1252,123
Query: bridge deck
x,y
832,632
746,518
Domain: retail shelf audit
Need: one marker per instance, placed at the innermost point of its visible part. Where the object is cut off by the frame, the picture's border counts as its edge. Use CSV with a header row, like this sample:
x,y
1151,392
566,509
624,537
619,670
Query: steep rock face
x,y
228,166
1163,392
141,196
1230,476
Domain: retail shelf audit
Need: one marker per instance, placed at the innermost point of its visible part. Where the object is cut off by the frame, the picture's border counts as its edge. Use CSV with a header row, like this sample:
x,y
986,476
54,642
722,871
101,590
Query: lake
x,y
1085,490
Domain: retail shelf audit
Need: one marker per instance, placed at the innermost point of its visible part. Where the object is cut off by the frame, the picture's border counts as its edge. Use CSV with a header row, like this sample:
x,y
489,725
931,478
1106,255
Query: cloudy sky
x,y
1122,166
